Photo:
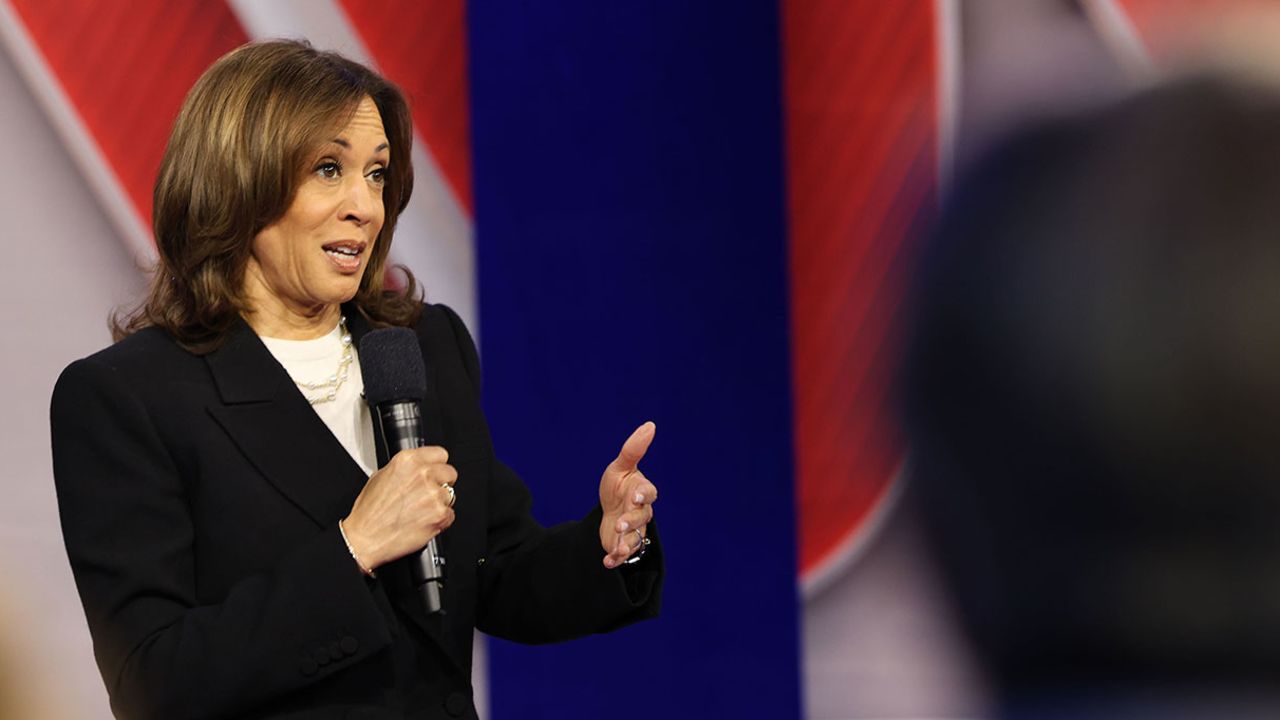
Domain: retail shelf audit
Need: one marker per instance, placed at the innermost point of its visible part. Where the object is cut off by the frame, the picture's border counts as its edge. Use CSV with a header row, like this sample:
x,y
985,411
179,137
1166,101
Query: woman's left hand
x,y
626,496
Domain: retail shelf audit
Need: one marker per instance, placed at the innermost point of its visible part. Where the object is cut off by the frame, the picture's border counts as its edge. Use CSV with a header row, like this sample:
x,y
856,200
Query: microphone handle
x,y
398,427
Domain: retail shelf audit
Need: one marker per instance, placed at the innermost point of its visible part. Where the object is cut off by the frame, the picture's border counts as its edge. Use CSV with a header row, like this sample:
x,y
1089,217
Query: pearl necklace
x,y
329,387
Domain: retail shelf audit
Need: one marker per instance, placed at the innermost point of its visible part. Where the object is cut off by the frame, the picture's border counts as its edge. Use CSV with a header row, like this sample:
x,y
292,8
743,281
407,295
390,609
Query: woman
x,y
236,552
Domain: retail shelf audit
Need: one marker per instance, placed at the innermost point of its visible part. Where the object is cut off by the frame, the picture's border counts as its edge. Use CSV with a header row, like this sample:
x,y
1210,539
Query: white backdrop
x,y
67,265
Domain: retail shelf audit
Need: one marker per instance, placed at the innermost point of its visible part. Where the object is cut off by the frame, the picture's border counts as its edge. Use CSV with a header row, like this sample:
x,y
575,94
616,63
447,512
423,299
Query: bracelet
x,y
642,547
367,572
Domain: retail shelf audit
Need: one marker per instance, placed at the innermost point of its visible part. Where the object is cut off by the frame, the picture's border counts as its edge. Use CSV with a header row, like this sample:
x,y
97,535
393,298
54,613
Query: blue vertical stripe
x,y
632,266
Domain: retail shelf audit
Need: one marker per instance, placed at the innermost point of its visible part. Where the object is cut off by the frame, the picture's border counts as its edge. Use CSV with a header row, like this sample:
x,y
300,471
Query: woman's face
x,y
313,257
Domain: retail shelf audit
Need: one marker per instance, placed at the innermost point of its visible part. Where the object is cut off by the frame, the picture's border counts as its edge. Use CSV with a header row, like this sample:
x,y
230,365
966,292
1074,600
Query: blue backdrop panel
x,y
632,266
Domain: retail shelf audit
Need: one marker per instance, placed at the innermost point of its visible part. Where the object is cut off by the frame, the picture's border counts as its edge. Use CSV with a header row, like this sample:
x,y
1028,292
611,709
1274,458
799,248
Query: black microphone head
x,y
391,366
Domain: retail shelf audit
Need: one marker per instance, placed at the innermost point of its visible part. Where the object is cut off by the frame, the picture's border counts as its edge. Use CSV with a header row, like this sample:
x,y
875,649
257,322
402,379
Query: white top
x,y
347,415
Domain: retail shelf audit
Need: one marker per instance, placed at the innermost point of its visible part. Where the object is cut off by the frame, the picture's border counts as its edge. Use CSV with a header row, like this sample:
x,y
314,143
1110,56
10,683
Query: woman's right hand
x,y
402,507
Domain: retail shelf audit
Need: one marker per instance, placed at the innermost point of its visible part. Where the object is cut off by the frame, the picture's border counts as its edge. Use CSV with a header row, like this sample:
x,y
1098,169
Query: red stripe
x,y
861,145
126,68
421,46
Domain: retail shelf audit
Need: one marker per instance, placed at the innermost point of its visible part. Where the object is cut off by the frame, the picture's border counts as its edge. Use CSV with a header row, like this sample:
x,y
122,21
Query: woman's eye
x,y
328,169
378,176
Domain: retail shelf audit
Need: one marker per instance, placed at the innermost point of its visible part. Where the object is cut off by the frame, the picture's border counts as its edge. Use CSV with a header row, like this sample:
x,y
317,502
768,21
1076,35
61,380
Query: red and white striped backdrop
x,y
871,96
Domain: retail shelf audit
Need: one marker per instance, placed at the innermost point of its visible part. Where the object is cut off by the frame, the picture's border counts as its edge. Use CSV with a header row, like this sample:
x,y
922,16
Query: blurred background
x,y
700,212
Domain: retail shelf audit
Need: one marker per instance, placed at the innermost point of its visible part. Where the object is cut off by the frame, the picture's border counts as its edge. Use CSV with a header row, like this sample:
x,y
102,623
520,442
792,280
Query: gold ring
x,y
453,495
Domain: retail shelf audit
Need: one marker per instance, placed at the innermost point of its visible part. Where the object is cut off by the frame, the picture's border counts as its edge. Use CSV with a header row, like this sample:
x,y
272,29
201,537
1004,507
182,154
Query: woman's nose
x,y
360,202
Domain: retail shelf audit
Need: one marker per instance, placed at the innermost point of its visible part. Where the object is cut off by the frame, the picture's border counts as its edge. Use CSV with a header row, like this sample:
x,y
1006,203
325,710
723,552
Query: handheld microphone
x,y
394,385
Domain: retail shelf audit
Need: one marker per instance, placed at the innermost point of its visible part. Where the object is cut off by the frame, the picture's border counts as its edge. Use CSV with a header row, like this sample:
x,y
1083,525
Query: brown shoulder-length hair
x,y
244,139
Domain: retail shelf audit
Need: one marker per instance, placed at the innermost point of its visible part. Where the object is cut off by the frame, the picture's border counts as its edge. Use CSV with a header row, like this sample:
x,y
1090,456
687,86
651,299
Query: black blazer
x,y
199,498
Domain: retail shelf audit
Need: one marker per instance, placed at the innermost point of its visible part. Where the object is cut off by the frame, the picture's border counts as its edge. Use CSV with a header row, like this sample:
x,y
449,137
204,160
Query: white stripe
x,y
1115,28
948,43
76,137
434,234
838,561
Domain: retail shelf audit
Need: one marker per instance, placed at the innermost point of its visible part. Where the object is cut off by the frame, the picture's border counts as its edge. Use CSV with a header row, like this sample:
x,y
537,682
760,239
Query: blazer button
x,y
456,704
308,667
349,645
319,653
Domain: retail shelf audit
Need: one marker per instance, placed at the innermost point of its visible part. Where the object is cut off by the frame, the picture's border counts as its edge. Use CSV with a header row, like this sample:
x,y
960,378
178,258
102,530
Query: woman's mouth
x,y
345,255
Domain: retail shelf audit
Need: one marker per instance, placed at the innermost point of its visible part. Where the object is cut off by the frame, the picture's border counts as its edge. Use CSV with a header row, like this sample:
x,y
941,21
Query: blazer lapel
x,y
278,431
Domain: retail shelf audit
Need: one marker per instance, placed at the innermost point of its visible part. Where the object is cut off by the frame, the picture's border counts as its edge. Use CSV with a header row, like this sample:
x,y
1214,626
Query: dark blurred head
x,y
1092,394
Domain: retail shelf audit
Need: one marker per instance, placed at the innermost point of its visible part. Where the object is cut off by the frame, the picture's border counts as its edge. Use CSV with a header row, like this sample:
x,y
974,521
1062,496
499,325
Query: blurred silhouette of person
x,y
1092,394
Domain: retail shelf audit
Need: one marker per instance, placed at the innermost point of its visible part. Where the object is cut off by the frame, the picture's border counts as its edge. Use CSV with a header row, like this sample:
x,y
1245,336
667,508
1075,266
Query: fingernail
x,y
639,498
608,562
623,526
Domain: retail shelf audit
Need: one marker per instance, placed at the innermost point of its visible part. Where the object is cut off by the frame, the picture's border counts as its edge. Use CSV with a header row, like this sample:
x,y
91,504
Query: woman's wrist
x,y
361,563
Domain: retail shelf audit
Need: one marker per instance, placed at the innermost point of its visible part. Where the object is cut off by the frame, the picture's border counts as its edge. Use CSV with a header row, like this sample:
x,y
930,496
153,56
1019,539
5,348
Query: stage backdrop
x,y
697,213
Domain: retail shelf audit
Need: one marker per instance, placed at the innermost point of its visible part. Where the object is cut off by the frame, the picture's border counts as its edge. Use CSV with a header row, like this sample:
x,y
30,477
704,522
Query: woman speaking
x,y
238,552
